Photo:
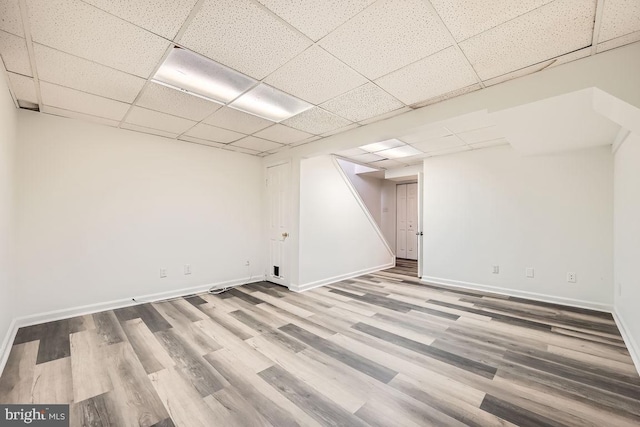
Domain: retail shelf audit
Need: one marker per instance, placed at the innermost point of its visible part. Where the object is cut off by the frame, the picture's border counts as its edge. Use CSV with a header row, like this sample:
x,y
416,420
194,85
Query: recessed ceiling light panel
x,y
200,76
382,145
399,152
269,103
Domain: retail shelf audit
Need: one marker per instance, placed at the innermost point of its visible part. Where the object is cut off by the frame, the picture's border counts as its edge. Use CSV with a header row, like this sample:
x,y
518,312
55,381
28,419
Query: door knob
x,y
285,235
418,233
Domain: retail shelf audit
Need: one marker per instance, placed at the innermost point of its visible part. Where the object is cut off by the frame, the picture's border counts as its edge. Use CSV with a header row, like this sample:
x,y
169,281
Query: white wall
x,y
369,188
627,239
8,120
337,239
553,213
101,210
388,215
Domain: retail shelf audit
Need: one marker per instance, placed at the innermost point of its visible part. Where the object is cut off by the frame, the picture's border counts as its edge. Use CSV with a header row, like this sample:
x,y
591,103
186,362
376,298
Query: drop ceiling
x,y
355,61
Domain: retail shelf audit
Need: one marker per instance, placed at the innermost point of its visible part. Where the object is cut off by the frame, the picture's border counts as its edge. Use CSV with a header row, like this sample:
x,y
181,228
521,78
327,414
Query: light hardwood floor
x,y
406,267
380,350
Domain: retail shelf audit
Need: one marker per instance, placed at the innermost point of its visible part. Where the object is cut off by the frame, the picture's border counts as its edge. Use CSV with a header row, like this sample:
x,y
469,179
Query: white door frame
x,y
284,280
420,221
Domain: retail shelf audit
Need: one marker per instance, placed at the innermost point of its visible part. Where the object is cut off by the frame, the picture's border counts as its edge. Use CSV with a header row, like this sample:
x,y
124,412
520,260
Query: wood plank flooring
x,y
377,350
406,267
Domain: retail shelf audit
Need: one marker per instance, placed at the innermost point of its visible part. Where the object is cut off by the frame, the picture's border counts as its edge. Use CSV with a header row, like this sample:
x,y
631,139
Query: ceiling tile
x,y
316,121
257,144
563,59
619,18
243,36
470,121
143,129
80,29
230,118
414,160
171,101
386,115
492,143
279,149
454,150
448,95
67,70
156,120
282,134
481,135
386,36
440,73
366,158
315,18
54,111
351,152
426,133
387,164
466,18
242,150
10,18
14,53
437,144
74,100
340,130
215,134
201,141
549,31
362,103
305,141
620,41
315,76
23,87
162,17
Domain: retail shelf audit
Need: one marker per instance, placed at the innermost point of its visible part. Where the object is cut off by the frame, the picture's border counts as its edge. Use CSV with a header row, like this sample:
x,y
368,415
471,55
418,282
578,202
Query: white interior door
x,y
401,221
412,221
278,197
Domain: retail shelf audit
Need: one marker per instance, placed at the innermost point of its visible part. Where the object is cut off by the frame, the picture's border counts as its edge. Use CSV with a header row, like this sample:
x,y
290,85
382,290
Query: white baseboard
x,y
630,342
334,279
571,302
6,344
35,319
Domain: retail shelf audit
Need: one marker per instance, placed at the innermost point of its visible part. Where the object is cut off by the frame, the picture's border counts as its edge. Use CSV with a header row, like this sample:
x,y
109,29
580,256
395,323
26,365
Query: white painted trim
x,y
630,342
363,206
6,344
330,280
571,302
621,137
66,313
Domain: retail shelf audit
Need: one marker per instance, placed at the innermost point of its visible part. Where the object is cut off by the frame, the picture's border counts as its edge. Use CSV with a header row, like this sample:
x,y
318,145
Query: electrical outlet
x,y
187,269
247,263
529,272
496,269
571,277
163,273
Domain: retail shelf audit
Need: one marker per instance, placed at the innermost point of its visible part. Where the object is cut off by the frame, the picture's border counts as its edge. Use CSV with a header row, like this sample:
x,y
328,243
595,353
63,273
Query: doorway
x,y
408,234
278,177
407,221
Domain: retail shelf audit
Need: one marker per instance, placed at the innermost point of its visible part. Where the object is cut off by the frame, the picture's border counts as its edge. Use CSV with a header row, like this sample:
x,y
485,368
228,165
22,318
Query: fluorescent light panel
x,y
382,145
189,72
270,103
399,152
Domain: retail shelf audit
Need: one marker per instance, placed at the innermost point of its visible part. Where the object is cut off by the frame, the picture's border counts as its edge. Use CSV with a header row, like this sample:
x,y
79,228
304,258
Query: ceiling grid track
x,y
181,31
454,43
24,13
596,26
